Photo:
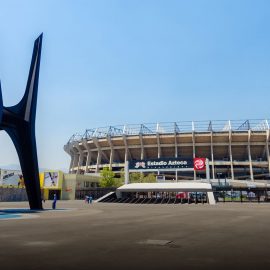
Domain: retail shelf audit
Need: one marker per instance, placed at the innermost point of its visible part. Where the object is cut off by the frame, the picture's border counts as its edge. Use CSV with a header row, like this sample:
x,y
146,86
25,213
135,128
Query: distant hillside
x,y
10,167
18,167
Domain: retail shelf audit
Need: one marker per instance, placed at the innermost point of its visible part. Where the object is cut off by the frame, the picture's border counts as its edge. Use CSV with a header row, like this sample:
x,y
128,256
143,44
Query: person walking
x,y
90,199
54,201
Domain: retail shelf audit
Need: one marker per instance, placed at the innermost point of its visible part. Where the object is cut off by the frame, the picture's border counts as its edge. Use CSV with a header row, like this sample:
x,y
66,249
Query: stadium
x,y
236,150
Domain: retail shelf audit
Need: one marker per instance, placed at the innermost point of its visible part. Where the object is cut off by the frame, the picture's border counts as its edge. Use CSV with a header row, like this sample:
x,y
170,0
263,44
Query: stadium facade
x,y
236,150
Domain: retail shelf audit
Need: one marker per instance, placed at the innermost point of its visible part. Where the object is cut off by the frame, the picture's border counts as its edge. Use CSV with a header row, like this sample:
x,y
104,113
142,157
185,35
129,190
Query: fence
x,y
94,192
228,194
12,194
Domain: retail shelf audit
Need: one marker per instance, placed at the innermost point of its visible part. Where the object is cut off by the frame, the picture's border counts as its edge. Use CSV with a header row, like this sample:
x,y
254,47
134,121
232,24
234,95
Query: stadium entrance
x,y
162,193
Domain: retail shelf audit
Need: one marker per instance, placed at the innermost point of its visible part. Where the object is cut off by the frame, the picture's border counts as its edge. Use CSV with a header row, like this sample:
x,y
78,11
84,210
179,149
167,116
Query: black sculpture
x,y
19,122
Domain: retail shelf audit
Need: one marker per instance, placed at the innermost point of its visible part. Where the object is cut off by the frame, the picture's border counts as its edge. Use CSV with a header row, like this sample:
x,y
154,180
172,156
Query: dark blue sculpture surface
x,y
19,122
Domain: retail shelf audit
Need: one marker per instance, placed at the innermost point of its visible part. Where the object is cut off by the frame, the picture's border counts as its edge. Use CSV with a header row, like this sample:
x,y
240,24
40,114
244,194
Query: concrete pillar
x,y
113,153
212,156
249,157
88,160
142,147
126,173
159,148
80,159
76,159
230,152
98,161
111,157
176,148
72,154
267,150
194,149
80,163
126,155
207,170
127,152
101,153
88,157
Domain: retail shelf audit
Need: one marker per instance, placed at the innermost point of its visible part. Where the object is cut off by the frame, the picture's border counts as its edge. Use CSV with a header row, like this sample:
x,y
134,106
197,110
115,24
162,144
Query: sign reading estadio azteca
x,y
161,163
199,164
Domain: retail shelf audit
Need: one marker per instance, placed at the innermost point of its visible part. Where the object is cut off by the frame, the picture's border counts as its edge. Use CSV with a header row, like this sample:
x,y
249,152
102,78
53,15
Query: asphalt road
x,y
123,236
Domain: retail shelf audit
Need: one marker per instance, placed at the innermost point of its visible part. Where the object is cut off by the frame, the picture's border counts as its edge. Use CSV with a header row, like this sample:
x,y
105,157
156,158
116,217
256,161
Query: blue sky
x,y
115,62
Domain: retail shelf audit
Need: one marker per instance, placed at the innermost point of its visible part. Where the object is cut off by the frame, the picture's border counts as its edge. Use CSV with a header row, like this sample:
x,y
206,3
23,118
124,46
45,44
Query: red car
x,y
182,195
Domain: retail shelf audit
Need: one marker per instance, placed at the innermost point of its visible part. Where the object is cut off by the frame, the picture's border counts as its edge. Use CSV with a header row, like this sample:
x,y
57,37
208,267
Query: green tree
x,y
122,175
150,178
107,178
136,177
118,182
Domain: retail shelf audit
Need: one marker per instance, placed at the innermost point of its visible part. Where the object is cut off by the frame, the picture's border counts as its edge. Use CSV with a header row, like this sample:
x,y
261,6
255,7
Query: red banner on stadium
x,y
199,164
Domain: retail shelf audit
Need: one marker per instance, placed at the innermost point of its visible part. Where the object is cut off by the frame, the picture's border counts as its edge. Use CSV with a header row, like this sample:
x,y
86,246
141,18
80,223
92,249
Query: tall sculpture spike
x,y
1,105
19,122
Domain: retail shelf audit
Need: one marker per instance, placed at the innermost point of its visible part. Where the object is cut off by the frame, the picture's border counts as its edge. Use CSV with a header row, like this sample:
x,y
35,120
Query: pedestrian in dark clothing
x,y
90,199
54,201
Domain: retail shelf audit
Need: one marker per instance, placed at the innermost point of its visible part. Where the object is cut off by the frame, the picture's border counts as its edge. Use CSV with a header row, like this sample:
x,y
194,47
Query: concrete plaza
x,y
123,236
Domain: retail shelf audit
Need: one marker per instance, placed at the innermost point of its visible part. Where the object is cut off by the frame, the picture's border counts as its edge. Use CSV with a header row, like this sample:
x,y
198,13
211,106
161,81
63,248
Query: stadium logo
x,y
199,164
140,164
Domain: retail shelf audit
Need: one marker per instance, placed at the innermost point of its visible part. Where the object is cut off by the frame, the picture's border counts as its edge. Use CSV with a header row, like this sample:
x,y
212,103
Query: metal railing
x,y
172,128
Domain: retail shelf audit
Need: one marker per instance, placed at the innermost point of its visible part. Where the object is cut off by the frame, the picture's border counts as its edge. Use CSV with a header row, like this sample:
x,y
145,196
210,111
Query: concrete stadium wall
x,y
234,154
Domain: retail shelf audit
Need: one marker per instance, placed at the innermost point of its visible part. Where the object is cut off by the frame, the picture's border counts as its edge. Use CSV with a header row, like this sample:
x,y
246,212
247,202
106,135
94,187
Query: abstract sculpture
x,y
19,122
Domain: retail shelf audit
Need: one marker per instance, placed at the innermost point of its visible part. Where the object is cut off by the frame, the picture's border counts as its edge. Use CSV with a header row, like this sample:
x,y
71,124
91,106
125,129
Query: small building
x,y
66,186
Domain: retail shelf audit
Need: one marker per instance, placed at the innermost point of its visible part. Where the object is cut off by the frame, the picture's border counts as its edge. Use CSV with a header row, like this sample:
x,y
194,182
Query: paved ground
x,y
122,236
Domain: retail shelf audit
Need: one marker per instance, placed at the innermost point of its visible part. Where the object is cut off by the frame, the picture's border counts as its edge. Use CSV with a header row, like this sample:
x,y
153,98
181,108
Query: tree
x,y
107,178
136,177
150,178
122,175
118,182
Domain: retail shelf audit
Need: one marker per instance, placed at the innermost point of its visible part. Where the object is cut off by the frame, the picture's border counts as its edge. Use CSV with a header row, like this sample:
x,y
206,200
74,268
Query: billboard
x,y
11,178
51,179
161,163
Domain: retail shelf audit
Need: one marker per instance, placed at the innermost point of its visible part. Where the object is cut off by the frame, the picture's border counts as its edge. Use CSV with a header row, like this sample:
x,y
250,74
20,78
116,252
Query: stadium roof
x,y
166,187
172,128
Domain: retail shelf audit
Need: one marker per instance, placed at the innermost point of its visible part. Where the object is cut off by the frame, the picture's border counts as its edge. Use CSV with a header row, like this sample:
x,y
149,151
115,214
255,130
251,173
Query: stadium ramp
x,y
106,196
